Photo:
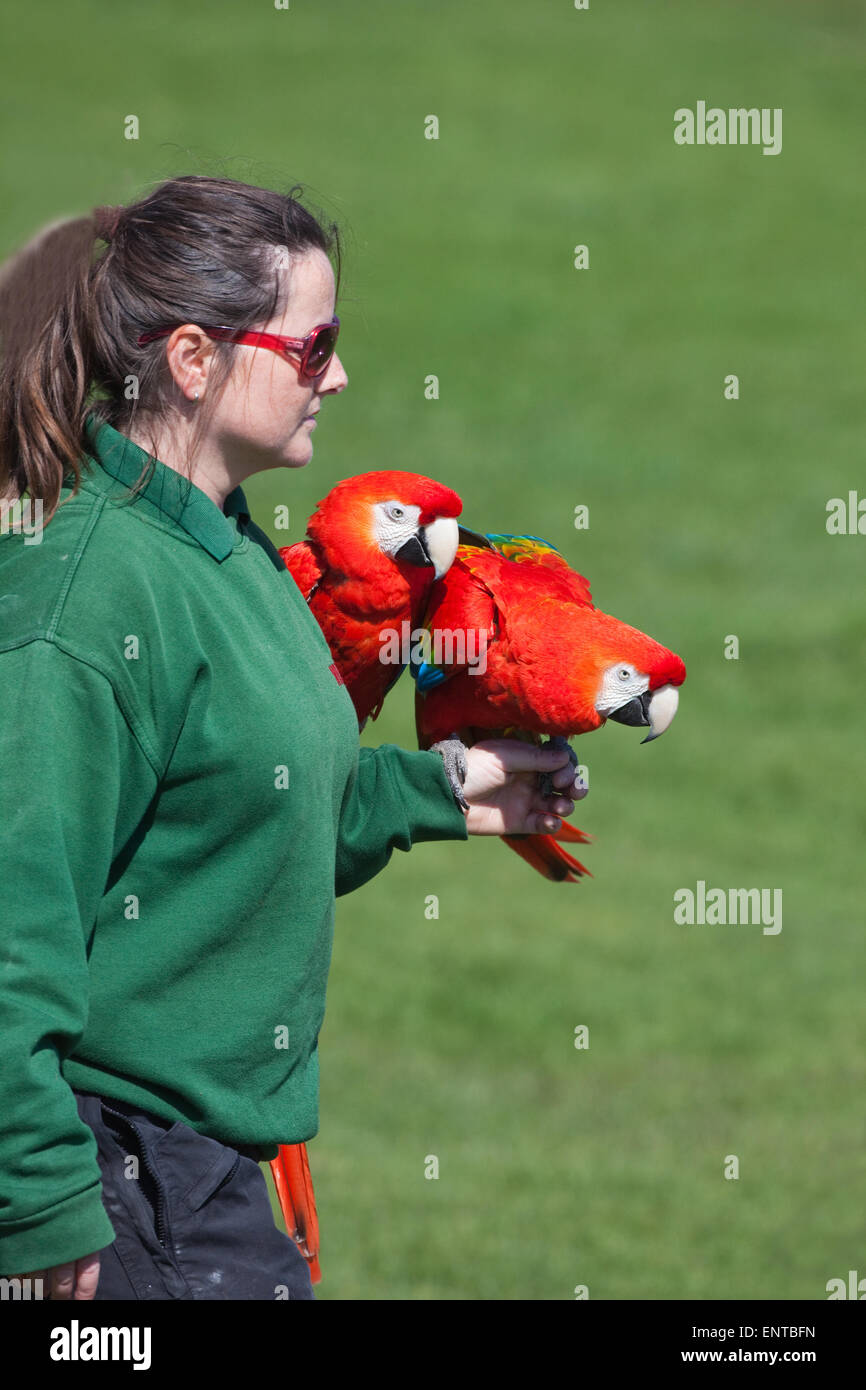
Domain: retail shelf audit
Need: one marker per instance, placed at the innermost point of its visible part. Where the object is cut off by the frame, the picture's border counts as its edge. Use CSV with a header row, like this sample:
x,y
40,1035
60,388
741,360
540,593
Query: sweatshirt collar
x,y
169,492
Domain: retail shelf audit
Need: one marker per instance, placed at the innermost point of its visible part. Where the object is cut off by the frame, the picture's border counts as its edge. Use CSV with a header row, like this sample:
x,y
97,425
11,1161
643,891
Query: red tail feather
x,y
294,1184
548,857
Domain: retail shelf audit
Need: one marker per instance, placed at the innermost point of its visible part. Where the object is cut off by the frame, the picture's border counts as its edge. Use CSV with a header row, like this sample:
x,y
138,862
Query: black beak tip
x,y
634,712
414,551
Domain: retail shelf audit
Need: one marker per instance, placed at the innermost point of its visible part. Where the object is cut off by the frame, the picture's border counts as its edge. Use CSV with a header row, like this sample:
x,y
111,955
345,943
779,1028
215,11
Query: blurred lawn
x,y
455,1037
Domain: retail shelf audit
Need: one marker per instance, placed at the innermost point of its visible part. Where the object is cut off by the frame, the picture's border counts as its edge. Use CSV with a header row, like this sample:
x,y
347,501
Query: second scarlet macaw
x,y
517,649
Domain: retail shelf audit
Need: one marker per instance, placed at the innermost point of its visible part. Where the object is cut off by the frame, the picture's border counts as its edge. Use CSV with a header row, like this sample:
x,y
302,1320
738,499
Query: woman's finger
x,y
568,780
518,756
551,805
62,1281
545,814
88,1277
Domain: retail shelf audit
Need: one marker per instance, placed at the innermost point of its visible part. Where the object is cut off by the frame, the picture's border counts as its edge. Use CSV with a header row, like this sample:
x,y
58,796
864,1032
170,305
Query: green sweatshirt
x,y
182,797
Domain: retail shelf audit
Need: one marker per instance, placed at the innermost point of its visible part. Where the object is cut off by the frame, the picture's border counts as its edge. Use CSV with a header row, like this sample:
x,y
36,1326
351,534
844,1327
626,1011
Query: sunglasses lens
x,y
322,350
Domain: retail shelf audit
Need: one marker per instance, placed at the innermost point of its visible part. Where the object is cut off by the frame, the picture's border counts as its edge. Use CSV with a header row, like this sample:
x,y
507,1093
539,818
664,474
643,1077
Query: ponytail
x,y
46,362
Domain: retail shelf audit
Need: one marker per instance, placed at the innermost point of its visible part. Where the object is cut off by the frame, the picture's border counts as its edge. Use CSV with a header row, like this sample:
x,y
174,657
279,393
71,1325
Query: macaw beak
x,y
655,708
435,545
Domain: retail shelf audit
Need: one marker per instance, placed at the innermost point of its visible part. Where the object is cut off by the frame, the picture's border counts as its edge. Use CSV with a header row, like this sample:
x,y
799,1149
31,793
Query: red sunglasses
x,y
316,349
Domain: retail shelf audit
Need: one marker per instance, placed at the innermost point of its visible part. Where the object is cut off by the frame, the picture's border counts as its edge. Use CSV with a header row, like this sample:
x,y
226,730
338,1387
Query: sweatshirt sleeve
x,y
394,799
70,770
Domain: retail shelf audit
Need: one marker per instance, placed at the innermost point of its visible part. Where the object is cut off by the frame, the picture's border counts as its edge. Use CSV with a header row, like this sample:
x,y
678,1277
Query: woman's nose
x,y
335,378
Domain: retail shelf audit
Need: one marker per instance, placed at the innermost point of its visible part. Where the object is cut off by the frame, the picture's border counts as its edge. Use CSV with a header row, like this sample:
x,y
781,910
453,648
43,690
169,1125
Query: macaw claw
x,y
453,751
546,778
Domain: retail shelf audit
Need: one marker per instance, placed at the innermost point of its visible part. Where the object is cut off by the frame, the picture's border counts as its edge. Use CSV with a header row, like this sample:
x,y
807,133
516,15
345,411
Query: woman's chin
x,y
297,454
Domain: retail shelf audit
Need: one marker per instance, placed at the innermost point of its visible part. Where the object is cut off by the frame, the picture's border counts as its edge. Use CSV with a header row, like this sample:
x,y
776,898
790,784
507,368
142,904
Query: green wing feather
x,y
522,547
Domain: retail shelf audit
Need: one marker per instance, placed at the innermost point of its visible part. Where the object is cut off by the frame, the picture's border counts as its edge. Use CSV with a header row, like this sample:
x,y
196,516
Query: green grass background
x,y
454,1036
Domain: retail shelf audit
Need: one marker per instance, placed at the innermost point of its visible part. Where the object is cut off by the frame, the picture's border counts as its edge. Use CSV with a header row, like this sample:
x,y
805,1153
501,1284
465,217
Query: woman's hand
x,y
503,790
76,1280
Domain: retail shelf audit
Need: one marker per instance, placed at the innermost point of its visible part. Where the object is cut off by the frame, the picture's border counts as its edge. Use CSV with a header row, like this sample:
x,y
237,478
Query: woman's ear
x,y
189,353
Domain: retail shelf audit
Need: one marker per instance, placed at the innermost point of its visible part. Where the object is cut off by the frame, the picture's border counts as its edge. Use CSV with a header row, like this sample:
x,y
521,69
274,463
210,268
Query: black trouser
x,y
192,1216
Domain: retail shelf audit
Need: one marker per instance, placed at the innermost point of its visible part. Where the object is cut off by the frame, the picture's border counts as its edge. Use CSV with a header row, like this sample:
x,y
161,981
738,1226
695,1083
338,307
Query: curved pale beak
x,y
655,708
441,540
661,710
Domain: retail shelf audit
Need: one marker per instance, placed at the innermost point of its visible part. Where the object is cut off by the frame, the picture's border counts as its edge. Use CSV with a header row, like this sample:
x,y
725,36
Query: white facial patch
x,y
394,523
619,684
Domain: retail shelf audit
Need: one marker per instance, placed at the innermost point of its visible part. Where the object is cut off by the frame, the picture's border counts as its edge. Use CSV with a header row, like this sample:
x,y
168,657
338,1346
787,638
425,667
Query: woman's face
x,y
265,417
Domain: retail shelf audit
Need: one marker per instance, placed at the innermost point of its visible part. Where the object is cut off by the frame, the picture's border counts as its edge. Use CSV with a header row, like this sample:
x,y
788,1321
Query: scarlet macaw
x,y
549,662
374,546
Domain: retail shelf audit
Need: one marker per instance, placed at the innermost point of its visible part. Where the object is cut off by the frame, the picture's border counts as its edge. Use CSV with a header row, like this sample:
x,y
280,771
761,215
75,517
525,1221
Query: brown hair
x,y
194,250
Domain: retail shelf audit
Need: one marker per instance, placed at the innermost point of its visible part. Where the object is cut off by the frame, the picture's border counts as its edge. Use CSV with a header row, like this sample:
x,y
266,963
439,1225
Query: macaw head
x,y
616,672
406,518
629,677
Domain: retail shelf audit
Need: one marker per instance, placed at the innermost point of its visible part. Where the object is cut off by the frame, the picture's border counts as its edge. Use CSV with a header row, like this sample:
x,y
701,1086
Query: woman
x,y
182,791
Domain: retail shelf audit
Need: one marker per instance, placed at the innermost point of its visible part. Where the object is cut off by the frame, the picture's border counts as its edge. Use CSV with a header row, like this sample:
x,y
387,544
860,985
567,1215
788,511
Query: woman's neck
x,y
210,472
